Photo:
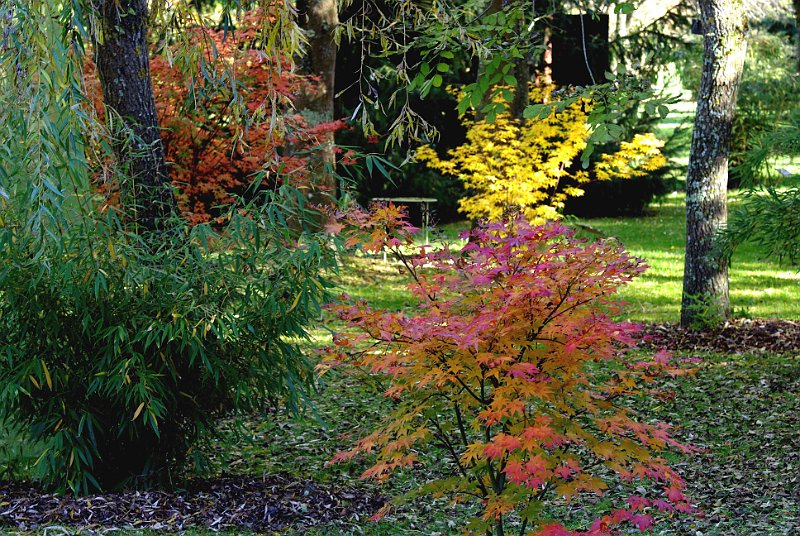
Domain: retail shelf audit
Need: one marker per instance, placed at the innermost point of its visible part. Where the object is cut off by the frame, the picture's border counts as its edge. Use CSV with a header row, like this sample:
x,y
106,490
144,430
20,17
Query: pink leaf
x,y
642,521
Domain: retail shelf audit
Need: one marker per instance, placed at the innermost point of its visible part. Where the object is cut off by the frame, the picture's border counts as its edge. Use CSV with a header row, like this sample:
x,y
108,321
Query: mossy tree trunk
x,y
705,279
124,69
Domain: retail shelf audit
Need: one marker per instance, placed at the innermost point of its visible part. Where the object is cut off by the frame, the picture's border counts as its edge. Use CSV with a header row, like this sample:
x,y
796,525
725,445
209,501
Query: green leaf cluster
x,y
118,353
768,96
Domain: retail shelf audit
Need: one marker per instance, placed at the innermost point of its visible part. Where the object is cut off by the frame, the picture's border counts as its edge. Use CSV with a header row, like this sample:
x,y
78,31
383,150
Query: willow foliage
x,y
119,350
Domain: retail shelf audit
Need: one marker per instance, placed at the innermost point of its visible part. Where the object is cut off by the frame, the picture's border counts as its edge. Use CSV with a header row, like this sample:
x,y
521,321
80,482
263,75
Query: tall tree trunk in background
x,y
705,278
522,73
796,4
319,19
124,68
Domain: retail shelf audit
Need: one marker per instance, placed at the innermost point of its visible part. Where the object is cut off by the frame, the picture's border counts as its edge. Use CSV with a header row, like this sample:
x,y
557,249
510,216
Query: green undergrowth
x,y
17,456
743,411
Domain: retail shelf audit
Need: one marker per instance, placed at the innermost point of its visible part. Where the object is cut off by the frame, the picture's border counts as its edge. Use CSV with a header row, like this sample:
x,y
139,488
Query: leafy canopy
x,y
118,350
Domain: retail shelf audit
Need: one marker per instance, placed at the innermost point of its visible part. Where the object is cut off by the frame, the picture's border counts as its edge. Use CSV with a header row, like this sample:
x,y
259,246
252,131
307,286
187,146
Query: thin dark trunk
x,y
495,6
319,18
522,73
498,527
520,70
796,4
705,279
124,69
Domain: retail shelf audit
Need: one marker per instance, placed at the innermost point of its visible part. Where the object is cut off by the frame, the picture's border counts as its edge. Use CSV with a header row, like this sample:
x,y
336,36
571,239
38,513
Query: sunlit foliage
x,y
532,167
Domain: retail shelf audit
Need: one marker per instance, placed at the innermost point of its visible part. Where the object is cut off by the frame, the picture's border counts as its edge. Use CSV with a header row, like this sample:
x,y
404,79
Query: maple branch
x,y
442,436
537,497
551,314
200,147
412,272
460,421
461,382
366,377
492,475
499,525
573,306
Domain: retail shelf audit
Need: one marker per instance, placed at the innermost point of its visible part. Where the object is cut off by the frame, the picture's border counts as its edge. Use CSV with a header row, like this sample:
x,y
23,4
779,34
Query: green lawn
x,y
759,287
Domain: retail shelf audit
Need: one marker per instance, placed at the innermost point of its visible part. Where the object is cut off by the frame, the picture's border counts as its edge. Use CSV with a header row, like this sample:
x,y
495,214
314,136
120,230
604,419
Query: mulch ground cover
x,y
257,504
734,337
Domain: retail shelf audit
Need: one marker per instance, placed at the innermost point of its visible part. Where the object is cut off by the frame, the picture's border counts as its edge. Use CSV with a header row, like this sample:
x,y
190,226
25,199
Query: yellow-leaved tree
x,y
509,166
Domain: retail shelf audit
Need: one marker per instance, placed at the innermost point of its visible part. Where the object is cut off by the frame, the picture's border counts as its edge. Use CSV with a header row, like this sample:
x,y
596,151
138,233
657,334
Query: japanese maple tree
x,y
510,166
228,119
513,364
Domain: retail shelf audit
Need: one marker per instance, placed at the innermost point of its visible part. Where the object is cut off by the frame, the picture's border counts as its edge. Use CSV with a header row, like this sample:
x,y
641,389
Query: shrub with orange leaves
x,y
228,116
513,365
213,157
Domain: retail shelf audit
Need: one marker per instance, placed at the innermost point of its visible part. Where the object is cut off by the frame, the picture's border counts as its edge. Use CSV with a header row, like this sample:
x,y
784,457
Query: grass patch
x,y
379,282
759,287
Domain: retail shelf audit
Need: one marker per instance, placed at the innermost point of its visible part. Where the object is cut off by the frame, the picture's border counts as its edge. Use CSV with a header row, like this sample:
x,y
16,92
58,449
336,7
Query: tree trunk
x,y
522,73
705,279
520,70
124,69
319,18
796,5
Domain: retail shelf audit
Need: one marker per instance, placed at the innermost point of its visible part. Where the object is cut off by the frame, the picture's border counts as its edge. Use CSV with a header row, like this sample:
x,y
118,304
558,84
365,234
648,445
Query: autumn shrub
x,y
509,166
512,368
118,353
230,120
